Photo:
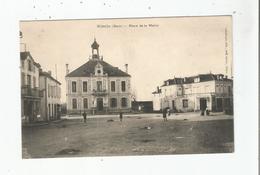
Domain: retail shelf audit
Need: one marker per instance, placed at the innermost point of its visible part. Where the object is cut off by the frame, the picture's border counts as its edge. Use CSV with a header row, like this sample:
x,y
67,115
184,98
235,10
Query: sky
x,y
155,49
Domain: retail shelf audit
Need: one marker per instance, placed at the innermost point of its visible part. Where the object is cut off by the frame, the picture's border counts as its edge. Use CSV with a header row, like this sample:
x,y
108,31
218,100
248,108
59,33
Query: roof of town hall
x,y
89,68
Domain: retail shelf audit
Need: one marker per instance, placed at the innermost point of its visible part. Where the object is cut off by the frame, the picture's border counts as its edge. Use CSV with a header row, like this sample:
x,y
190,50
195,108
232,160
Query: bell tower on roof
x,y
95,51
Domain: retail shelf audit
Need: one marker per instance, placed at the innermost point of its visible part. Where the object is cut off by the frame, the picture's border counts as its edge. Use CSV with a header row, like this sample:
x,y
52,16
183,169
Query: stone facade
x,y
51,94
98,87
40,92
195,93
30,94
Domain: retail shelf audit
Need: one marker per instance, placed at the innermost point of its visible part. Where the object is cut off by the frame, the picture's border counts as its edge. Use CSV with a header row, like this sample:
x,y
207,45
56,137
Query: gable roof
x,y
24,55
46,74
89,68
191,79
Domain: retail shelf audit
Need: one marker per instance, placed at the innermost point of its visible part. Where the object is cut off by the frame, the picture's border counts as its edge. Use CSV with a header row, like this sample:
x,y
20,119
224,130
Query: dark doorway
x,y
173,106
203,103
219,104
29,110
99,104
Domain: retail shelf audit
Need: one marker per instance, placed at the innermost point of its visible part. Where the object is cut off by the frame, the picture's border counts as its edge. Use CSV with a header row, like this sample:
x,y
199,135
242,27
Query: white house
x,y
51,94
214,91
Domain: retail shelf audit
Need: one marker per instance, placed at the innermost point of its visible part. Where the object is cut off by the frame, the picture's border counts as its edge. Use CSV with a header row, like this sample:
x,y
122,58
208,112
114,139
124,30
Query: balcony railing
x,y
99,92
30,92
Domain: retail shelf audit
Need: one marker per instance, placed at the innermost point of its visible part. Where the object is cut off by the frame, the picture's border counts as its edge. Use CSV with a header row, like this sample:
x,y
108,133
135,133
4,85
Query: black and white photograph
x,y
129,87
126,87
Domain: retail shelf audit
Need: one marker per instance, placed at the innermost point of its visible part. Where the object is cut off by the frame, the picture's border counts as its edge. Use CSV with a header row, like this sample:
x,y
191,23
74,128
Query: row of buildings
x,y
211,91
40,92
98,87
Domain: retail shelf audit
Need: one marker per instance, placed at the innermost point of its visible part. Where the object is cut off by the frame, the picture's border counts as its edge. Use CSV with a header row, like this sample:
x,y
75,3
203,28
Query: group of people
x,y
204,111
166,112
84,114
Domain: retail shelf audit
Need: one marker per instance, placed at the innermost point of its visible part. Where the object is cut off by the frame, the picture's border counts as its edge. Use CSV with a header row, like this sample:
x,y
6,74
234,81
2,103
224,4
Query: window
x,y
98,71
33,67
52,111
22,79
34,82
74,86
196,80
85,103
29,65
185,103
74,103
22,64
229,90
124,102
99,85
53,88
49,108
85,86
113,102
179,91
58,92
227,102
29,80
95,51
55,91
49,89
113,86
123,86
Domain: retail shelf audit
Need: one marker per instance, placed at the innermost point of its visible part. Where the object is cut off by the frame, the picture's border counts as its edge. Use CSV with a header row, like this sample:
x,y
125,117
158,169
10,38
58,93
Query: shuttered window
x,y
74,86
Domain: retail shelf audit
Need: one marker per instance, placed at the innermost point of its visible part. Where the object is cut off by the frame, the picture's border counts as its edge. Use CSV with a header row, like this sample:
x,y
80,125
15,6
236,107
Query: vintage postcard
x,y
120,87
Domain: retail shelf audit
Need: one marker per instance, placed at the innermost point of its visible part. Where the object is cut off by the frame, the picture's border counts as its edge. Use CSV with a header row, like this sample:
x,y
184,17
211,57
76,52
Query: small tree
x,y
133,95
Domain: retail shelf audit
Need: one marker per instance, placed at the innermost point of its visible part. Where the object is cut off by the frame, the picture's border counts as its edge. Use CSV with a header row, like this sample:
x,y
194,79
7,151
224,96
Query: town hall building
x,y
97,87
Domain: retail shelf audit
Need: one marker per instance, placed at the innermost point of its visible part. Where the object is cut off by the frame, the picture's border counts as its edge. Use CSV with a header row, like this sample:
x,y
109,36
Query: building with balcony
x,y
214,91
98,87
51,94
30,93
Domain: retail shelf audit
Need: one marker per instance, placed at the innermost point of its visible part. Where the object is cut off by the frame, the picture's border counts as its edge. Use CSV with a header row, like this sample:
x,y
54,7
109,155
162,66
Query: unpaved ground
x,y
138,135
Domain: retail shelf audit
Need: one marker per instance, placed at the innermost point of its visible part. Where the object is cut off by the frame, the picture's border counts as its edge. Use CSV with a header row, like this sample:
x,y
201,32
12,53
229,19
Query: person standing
x,y
121,116
207,110
84,116
165,114
168,112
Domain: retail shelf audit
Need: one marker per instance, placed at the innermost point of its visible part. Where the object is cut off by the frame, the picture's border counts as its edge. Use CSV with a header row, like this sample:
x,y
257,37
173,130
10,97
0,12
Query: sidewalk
x,y
191,116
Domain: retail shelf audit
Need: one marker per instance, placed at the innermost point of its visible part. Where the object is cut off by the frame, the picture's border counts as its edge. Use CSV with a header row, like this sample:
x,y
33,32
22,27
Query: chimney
x,y
67,69
158,89
49,72
126,68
